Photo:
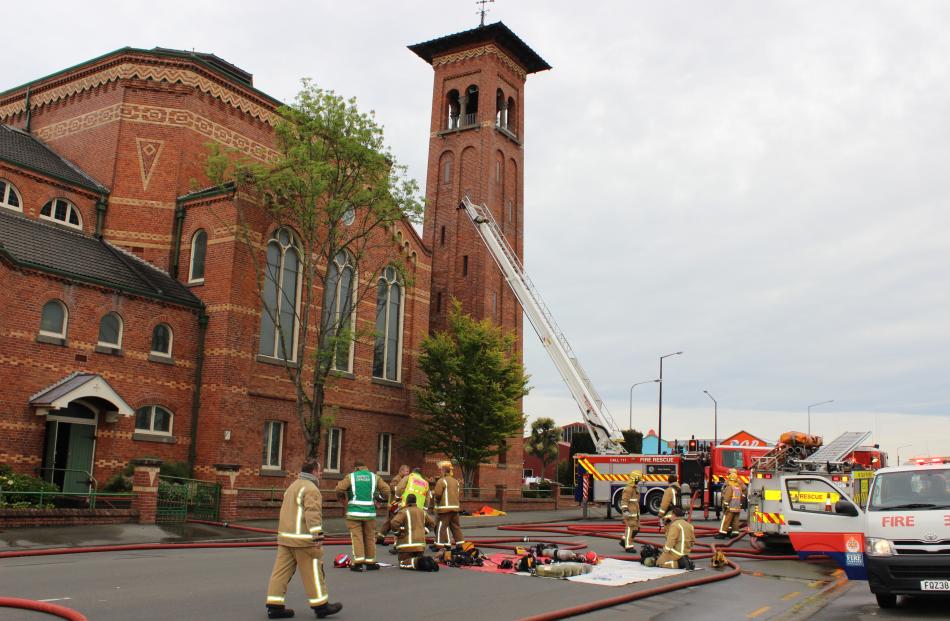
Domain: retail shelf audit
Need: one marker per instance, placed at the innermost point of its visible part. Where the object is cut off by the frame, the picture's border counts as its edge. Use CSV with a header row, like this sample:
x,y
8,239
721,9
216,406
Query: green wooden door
x,y
82,443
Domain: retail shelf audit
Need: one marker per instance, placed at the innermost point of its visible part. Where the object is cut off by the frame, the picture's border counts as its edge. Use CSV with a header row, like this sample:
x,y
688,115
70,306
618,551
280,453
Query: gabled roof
x,y
497,33
79,385
26,150
55,249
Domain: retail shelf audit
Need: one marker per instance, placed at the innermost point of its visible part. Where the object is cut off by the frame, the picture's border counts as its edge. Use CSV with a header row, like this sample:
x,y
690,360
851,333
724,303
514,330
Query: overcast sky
x,y
762,185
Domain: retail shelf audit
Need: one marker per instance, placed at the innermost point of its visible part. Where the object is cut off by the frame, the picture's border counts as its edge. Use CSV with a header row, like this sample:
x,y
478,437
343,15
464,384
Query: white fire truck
x,y
611,463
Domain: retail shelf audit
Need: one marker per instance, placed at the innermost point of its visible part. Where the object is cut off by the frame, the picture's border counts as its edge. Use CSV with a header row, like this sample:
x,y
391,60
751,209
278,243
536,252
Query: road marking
x,y
757,612
791,595
55,599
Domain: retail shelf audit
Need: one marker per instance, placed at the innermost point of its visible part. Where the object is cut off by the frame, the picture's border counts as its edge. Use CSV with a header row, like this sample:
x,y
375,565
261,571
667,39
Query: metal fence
x,y
180,498
67,500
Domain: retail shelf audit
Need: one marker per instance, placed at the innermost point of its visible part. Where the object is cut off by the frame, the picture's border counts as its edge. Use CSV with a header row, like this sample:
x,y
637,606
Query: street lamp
x,y
899,452
630,424
814,405
659,426
715,418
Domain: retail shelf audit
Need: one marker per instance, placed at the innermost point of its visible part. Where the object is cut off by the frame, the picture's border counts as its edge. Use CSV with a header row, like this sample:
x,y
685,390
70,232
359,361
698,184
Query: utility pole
x,y
715,418
630,422
659,426
814,405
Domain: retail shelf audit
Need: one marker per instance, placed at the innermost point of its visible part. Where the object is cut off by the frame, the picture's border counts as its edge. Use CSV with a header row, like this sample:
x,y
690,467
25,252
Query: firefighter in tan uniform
x,y
359,490
446,498
410,524
630,509
299,546
679,542
392,502
733,493
672,497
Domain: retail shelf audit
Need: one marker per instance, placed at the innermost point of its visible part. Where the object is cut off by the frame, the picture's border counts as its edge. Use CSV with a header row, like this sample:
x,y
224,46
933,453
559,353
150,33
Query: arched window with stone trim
x,y
199,249
280,297
161,341
62,211
110,331
511,116
9,196
339,318
500,120
53,319
387,352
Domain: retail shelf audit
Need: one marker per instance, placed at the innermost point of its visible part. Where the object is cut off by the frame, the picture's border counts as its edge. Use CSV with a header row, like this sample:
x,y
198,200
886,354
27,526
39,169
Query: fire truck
x,y
608,467
798,454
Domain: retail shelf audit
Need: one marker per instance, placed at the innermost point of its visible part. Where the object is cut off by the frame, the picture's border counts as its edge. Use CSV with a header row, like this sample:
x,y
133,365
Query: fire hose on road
x,y
607,531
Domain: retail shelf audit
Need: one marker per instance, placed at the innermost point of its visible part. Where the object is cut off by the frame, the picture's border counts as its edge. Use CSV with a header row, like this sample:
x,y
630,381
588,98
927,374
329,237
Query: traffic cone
x,y
828,503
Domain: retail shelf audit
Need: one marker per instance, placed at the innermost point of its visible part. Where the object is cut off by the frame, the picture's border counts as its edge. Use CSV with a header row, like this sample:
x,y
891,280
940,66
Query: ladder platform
x,y
838,448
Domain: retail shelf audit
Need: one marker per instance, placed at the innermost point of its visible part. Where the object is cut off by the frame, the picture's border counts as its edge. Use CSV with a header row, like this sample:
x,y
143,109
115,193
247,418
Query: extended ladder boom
x,y
603,430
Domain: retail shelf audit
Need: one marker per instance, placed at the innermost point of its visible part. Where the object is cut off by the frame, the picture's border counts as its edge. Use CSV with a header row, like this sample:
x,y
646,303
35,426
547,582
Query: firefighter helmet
x,y
635,476
341,560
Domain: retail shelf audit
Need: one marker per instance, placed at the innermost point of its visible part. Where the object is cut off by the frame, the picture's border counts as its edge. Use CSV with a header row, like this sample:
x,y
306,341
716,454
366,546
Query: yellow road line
x,y
757,612
791,595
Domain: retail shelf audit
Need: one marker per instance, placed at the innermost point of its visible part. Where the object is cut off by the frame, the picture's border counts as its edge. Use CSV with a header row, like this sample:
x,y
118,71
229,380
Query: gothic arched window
x,y
281,297
388,348
338,315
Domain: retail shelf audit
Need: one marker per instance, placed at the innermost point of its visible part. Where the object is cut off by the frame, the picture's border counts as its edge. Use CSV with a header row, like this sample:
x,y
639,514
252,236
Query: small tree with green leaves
x,y
469,404
542,442
331,197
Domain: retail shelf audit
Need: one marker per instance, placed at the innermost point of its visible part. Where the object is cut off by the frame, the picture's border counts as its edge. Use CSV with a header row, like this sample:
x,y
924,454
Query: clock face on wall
x,y
349,216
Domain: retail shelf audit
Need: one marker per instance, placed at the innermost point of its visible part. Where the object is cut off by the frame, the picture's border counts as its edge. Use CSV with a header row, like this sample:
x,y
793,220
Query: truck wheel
x,y
653,500
885,600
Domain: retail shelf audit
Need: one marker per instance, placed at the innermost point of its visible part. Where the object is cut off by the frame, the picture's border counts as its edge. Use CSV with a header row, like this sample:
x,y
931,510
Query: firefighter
x,y
630,508
679,542
672,497
359,490
299,546
733,493
410,525
416,485
446,497
392,504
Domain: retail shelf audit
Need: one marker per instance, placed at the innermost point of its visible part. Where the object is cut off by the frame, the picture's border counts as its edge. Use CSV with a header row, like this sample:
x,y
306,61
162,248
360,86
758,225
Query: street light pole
x,y
630,423
715,418
659,426
899,452
814,405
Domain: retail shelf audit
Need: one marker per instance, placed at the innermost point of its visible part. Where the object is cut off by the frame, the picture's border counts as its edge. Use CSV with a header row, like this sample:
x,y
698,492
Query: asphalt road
x,y
229,585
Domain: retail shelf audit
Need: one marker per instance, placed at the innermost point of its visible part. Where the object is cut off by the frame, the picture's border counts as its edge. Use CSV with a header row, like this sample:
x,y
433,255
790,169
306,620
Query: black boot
x,y
279,612
631,550
327,609
357,567
371,566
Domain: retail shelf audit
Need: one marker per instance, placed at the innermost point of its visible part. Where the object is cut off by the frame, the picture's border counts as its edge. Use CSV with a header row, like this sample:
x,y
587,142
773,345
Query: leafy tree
x,y
339,189
633,440
542,443
470,402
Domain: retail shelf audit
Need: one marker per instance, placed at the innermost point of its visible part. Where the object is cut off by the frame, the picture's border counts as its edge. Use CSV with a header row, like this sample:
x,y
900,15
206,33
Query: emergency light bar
x,y
923,461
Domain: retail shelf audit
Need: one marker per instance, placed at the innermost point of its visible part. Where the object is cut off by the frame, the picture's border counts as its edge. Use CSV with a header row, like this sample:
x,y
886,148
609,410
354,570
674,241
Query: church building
x,y
133,326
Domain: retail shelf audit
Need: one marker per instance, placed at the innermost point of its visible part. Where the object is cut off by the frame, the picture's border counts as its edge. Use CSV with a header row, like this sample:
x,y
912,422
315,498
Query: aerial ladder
x,y
607,437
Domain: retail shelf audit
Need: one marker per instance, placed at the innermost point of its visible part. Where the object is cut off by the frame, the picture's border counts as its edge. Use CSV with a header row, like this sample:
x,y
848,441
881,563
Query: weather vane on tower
x,y
482,9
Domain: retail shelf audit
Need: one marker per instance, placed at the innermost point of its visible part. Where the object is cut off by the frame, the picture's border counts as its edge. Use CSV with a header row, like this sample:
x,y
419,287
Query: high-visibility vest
x,y
360,503
415,484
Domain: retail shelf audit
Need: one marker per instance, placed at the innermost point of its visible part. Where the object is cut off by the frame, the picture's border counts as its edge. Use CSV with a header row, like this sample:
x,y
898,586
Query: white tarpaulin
x,y
613,572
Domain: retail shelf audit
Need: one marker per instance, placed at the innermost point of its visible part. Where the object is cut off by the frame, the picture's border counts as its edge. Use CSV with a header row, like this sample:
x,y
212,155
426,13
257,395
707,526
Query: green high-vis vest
x,y
360,503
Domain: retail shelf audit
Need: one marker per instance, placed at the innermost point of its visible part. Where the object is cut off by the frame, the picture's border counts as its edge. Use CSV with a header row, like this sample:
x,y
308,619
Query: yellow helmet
x,y
634,477
733,474
445,464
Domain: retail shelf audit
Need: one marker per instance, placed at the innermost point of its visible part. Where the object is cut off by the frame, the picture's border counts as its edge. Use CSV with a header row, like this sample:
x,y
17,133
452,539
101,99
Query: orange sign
x,y
744,438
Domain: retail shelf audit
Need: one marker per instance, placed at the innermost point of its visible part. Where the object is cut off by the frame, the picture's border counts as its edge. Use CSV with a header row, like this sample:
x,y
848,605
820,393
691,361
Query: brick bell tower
x,y
476,148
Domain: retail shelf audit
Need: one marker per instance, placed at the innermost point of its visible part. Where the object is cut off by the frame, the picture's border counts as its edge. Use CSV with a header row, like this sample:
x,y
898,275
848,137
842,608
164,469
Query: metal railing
x,y
91,479
91,498
468,119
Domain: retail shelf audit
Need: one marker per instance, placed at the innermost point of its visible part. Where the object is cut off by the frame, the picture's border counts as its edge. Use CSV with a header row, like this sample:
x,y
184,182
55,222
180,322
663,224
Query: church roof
x,y
497,33
26,150
55,249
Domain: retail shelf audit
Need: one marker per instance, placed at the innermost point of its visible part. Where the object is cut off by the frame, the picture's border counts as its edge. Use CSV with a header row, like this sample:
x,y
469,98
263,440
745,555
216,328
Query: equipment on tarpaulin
x,y
341,560
426,563
526,563
561,570
592,558
487,511
649,553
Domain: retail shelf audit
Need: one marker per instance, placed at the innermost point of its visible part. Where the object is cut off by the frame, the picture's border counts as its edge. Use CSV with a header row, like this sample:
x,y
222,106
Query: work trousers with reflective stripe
x,y
408,560
730,522
448,529
310,562
631,528
668,560
363,540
